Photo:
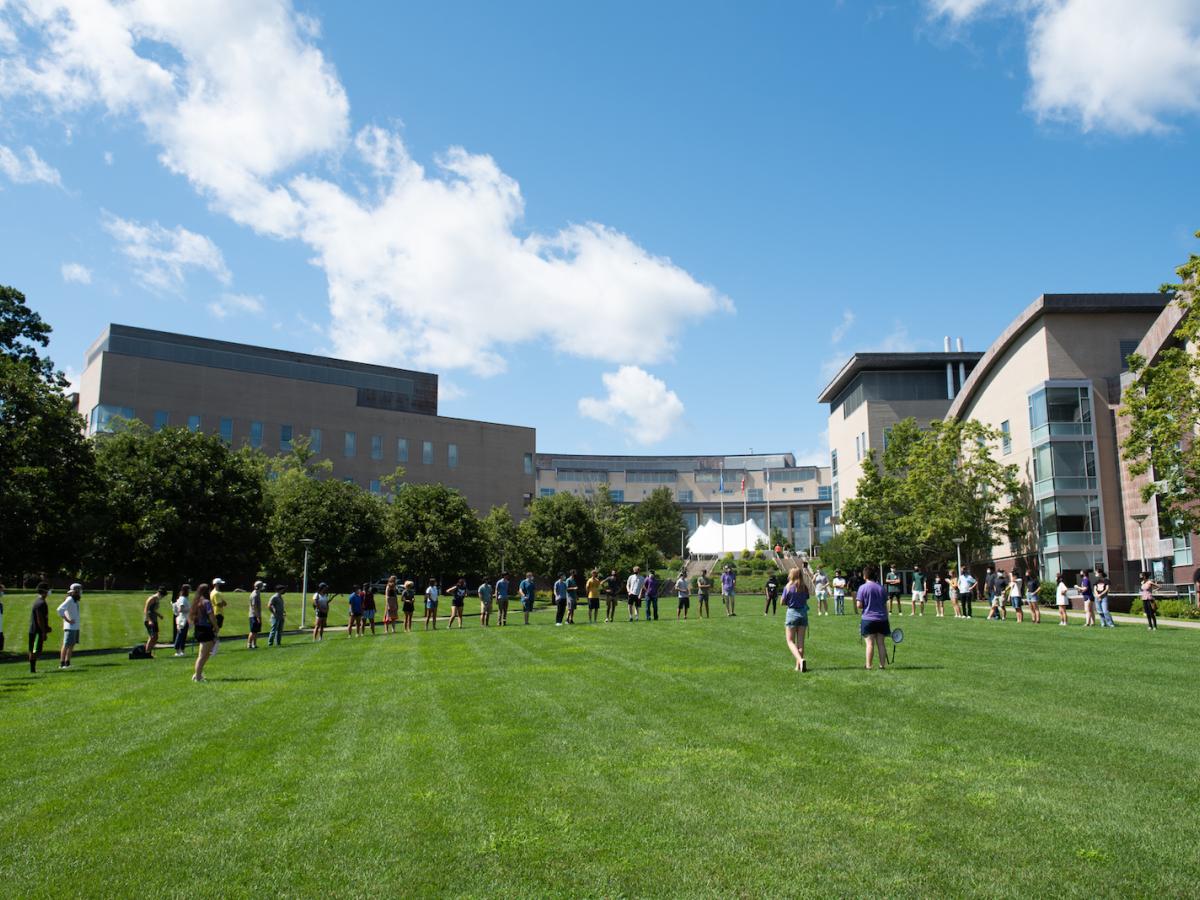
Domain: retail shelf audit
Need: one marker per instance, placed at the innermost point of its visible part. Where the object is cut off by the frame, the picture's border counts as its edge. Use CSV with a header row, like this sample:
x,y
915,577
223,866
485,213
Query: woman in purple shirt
x,y
872,604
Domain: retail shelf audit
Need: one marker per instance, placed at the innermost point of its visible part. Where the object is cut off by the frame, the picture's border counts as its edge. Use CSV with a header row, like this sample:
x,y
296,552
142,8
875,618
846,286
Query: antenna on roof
x,y
946,343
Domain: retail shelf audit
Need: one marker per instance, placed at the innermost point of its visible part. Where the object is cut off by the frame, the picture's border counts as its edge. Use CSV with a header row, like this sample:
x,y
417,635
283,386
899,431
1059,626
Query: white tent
x,y
712,538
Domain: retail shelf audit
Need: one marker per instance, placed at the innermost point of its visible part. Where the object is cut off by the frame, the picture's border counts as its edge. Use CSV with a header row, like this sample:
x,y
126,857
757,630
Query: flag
x,y
721,481
743,484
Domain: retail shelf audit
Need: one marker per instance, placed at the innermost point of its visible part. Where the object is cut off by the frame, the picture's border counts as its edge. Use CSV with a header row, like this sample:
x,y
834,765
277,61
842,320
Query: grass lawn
x,y
668,758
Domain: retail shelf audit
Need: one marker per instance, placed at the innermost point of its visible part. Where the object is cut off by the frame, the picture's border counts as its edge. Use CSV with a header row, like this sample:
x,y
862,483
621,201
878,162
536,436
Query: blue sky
x,y
637,227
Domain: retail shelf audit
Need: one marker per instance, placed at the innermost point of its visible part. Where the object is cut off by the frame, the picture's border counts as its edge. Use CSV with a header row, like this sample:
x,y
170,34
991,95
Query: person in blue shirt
x,y
528,591
356,608
560,599
502,599
871,601
485,604
572,597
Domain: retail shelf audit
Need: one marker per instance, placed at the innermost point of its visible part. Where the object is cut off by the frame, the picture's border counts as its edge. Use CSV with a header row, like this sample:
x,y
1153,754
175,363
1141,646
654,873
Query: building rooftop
x,y
681,463
379,386
890,362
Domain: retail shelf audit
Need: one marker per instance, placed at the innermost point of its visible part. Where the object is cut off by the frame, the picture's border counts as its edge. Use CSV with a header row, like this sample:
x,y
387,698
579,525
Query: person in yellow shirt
x,y
218,604
593,594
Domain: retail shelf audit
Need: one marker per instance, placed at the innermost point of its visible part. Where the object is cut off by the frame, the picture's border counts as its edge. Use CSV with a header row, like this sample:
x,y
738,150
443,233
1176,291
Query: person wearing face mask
x,y
68,611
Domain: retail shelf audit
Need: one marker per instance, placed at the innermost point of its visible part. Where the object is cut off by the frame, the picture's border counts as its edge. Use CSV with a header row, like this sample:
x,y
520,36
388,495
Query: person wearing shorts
x,y
1015,589
612,587
633,590
391,606
572,597
458,599
872,604
728,587
795,621
321,602
151,617
431,604
683,595
502,589
356,606
528,591
1032,586
821,584
593,596
368,609
255,624
68,611
39,624
485,603
893,590
1062,599
202,617
408,603
918,590
703,588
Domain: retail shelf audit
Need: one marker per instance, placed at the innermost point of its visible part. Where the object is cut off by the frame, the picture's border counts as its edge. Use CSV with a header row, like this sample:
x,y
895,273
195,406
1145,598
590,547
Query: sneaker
x,y
199,679
558,624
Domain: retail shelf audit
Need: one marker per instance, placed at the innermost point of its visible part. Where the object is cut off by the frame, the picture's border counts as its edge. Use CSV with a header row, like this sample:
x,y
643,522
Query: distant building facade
x,y
797,500
365,419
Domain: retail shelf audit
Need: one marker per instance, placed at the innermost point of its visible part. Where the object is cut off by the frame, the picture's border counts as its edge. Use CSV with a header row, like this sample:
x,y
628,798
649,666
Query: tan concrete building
x,y
365,419
1051,384
874,391
795,499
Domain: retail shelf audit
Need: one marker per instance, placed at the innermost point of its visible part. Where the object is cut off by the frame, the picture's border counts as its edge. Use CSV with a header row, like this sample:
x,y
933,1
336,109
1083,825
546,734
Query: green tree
x,y
502,548
841,552
561,534
659,520
176,504
1162,406
433,533
779,539
22,332
47,468
345,522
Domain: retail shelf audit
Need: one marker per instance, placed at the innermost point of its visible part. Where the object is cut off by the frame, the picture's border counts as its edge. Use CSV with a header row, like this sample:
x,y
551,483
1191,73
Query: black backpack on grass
x,y
139,652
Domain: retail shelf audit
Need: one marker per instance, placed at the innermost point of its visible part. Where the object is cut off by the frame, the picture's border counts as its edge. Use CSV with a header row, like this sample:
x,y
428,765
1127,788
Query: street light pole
x,y
958,542
682,535
1140,518
307,542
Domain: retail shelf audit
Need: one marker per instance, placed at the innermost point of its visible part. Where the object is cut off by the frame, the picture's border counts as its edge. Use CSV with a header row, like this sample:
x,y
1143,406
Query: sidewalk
x,y
1130,620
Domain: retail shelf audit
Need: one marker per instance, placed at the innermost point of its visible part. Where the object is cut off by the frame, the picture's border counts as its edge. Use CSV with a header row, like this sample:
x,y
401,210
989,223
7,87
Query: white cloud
x,y
895,340
816,453
108,157
425,268
1115,65
638,403
76,273
236,304
450,390
161,256
843,327
27,170
73,376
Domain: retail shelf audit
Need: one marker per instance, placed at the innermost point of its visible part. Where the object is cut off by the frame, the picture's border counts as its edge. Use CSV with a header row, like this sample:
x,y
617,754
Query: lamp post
x,y
958,542
307,542
1140,518
682,536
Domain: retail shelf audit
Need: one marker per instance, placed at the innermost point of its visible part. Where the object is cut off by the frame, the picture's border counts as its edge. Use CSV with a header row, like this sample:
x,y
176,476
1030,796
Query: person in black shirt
x,y
39,625
612,587
772,592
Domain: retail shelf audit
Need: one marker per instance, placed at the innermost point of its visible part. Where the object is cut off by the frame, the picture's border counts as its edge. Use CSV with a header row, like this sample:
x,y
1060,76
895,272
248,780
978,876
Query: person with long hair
x,y
320,602
1149,604
1089,599
203,620
1061,598
941,588
391,606
795,622
151,617
1033,585
873,626
409,602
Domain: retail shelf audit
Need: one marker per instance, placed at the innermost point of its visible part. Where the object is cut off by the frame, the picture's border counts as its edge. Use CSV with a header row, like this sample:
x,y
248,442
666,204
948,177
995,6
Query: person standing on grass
x,y
728,587
320,603
503,586
180,608
431,604
954,601
485,603
254,616
218,604
940,589
368,610
989,590
872,604
593,596
528,591
650,590
612,587
703,588
1149,604
683,594
151,617
391,606
458,600
839,593
771,590
39,625
1032,586
1061,599
918,591
795,623
68,611
997,610
893,589
572,597
1015,590
278,611
1103,586
356,607
1089,599
408,604
202,617
633,590
967,585
821,584
560,599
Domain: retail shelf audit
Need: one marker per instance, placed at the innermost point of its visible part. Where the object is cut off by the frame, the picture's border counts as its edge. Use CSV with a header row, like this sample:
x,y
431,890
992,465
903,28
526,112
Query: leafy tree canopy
x,y
433,533
561,534
22,333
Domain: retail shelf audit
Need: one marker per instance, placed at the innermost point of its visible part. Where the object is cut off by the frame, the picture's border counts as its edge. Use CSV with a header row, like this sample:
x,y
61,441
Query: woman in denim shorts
x,y
795,624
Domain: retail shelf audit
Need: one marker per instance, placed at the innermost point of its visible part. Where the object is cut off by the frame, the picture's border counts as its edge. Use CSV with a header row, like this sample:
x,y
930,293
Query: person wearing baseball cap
x,y
68,611
218,604
255,615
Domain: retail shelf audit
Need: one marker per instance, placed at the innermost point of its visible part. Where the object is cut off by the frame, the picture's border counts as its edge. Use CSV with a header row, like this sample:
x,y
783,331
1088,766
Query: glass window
x,y
402,450
691,521
350,447
285,438
759,518
857,448
824,525
376,446
1066,465
103,416
528,463
806,474
584,476
754,495
546,492
452,455
652,477
1126,349
427,453
1005,438
314,438
833,463
162,419
193,423
617,496
225,429
1055,411
374,485
824,492
684,497
256,432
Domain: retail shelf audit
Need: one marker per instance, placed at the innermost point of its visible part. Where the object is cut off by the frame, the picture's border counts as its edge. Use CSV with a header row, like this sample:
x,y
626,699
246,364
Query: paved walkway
x,y
1129,620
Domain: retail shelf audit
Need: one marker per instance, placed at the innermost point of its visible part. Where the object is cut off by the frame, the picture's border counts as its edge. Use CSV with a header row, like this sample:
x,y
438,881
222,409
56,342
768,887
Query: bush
x,y
761,565
1177,609
759,554
746,554
675,564
1136,608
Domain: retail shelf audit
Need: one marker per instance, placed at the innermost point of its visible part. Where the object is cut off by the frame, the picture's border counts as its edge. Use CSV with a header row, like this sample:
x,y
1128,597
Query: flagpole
x,y
768,473
745,518
721,493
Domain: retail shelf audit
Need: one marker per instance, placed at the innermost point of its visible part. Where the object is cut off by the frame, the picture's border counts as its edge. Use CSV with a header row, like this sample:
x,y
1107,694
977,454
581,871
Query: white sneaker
x,y
558,624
